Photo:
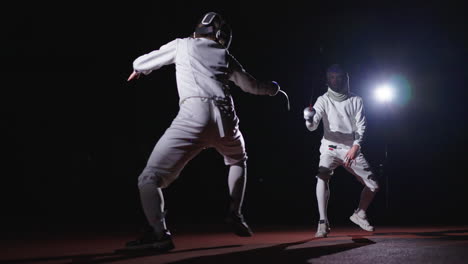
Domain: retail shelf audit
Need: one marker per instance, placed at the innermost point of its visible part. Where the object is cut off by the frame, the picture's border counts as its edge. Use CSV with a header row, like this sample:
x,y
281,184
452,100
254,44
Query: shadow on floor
x,y
278,253
117,255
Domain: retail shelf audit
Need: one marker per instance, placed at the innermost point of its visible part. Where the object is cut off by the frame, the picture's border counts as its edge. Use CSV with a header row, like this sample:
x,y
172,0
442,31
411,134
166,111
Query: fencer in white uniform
x,y
344,125
207,118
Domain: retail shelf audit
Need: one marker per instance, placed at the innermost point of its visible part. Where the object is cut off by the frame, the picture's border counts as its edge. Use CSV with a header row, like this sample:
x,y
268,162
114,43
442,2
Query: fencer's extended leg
x,y
237,182
159,238
323,194
232,148
152,201
174,149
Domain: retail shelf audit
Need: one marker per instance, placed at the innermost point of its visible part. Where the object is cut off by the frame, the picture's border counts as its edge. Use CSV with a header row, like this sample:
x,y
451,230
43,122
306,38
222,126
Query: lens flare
x,y
385,93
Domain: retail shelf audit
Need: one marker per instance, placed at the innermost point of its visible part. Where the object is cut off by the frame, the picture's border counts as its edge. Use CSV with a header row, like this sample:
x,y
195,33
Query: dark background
x,y
77,134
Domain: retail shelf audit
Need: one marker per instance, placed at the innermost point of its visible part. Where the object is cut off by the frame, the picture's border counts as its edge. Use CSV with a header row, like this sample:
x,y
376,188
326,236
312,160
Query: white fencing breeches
x,y
195,128
332,156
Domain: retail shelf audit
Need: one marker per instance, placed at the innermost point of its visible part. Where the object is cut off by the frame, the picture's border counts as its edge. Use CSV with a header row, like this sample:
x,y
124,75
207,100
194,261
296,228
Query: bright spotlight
x,y
384,93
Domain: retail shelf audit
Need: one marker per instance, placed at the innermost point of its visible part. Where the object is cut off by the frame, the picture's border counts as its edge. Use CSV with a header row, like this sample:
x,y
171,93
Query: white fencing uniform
x,y
207,117
344,125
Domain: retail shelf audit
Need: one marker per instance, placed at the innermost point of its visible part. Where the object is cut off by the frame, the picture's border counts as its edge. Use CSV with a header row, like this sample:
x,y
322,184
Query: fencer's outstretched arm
x,y
247,82
313,116
154,60
360,122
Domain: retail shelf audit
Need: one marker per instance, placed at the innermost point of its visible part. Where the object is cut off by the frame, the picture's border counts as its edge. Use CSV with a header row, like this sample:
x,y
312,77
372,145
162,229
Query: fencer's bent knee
x,y
324,173
147,179
373,181
374,189
149,176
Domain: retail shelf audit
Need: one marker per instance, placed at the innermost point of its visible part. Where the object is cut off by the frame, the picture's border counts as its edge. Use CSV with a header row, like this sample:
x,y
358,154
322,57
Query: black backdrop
x,y
77,134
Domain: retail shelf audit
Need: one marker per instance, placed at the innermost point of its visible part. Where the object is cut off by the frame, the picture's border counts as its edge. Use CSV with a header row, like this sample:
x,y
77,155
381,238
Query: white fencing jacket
x,y
203,68
344,122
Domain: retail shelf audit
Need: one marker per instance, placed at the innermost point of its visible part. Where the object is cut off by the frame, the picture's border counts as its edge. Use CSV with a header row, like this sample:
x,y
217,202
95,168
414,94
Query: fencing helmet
x,y
213,24
339,85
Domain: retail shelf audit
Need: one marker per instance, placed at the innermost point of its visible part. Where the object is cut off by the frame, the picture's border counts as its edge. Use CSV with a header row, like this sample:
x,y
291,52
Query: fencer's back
x,y
201,68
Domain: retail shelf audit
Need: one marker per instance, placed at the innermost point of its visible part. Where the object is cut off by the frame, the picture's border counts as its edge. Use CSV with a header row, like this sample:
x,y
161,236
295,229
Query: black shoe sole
x,y
239,228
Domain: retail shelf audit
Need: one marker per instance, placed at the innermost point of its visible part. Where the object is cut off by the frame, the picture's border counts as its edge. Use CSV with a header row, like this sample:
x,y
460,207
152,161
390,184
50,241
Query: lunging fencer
x,y
205,71
344,124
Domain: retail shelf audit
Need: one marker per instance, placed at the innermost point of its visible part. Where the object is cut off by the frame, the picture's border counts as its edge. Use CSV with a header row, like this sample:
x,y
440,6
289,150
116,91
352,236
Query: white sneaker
x,y
362,222
322,230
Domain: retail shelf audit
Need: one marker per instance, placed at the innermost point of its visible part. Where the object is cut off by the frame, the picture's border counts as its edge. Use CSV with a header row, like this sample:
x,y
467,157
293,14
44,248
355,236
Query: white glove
x,y
309,113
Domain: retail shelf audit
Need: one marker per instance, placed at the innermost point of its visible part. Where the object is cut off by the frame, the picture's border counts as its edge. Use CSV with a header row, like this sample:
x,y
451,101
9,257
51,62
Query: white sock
x,y
152,201
237,180
323,193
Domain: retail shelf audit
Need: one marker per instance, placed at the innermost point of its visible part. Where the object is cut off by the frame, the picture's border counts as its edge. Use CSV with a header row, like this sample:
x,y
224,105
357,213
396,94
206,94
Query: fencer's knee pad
x,y
324,173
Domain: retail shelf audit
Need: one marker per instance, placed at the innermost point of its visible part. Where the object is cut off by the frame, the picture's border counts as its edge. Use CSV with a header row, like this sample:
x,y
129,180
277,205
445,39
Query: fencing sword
x,y
285,95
